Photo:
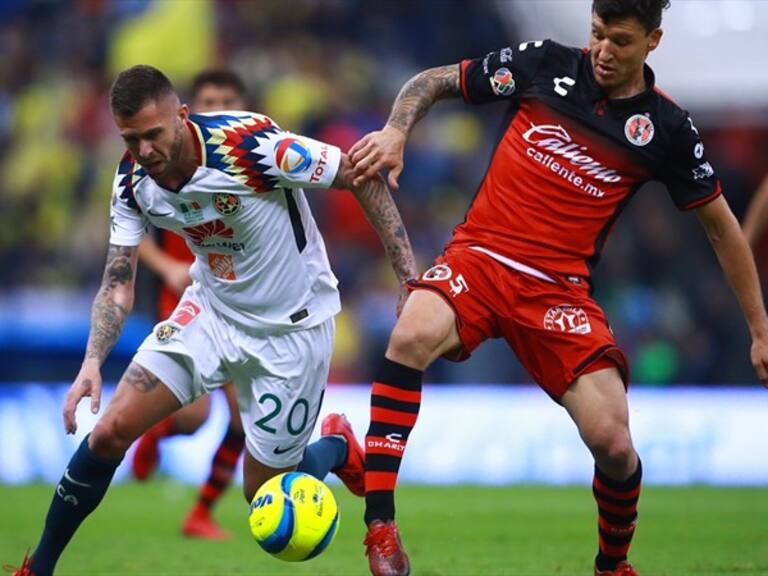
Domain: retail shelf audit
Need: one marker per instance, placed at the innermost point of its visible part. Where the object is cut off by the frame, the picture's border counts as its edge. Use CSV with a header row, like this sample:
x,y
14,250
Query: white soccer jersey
x,y
258,252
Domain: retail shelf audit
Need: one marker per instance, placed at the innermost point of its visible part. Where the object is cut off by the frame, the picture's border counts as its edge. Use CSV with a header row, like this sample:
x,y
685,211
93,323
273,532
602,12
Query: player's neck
x,y
185,168
636,85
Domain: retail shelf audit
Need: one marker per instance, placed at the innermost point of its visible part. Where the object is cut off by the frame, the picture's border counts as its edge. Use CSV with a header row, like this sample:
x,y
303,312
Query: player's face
x,y
153,135
213,97
619,50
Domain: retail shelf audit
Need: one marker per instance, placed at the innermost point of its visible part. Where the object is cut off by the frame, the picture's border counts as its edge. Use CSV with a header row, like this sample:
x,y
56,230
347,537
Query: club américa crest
x,y
165,332
226,204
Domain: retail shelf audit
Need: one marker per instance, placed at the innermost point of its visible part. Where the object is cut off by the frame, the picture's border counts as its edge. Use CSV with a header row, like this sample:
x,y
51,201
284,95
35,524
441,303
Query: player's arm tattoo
x,y
380,209
140,378
113,302
420,92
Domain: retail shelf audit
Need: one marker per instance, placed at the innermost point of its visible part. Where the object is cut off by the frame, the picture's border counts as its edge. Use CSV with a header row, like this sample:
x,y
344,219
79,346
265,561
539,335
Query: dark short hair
x,y
648,12
218,77
136,86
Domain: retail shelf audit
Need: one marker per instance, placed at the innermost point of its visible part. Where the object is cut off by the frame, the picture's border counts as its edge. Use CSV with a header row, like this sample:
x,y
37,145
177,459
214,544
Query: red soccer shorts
x,y
555,328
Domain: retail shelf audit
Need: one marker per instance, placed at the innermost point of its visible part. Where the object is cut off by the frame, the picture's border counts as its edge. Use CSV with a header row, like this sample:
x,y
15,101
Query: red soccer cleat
x,y
24,570
352,472
200,524
386,556
623,569
147,454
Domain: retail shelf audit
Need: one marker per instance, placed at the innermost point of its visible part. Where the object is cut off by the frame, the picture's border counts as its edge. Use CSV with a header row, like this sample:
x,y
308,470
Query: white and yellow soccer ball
x,y
294,516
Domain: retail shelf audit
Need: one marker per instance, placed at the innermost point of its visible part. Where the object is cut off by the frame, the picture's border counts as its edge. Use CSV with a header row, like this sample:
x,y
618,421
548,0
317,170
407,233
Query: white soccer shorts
x,y
280,378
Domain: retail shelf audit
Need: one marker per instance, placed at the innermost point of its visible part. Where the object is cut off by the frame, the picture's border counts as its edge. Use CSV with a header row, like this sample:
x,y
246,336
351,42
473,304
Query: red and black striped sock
x,y
395,402
222,467
617,515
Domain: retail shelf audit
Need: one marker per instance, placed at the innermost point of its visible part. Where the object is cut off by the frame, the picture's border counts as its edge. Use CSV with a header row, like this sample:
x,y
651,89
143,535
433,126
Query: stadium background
x,y
330,69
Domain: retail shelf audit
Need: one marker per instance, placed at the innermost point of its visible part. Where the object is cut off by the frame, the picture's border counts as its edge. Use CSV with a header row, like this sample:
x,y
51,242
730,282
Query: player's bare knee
x,y
612,444
411,345
108,440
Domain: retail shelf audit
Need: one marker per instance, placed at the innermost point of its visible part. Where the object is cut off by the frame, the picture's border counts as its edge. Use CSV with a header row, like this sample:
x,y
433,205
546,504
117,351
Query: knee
x,y
109,439
612,444
412,345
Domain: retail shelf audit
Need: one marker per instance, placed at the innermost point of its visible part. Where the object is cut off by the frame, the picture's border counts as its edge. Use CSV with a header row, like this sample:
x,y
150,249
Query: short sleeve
x,y
302,162
688,175
503,74
128,222
254,150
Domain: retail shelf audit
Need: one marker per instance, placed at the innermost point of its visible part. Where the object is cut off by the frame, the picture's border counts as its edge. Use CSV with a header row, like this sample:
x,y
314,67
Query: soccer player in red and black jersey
x,y
585,130
170,259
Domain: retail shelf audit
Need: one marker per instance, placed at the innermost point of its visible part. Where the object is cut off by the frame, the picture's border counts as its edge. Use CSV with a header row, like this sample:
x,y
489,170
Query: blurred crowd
x,y
330,69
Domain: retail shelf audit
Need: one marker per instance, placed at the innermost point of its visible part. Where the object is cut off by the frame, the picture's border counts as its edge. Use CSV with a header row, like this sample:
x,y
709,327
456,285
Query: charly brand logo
x,y
185,312
567,318
557,140
639,129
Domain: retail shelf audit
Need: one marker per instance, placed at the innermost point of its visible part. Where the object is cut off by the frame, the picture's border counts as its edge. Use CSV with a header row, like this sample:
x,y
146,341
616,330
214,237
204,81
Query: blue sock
x,y
328,453
79,491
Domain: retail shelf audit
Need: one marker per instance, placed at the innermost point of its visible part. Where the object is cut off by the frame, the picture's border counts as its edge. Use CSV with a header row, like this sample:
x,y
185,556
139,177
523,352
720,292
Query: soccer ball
x,y
294,516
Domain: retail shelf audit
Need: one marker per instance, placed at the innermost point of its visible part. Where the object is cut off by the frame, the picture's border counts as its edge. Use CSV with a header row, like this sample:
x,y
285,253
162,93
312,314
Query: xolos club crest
x,y
639,130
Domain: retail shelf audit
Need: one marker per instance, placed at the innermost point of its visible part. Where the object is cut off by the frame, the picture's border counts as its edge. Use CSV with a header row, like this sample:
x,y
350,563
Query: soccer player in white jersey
x,y
260,311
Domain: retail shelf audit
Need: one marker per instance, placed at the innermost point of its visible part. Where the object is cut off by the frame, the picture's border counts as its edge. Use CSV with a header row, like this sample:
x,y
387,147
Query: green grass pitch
x,y
522,530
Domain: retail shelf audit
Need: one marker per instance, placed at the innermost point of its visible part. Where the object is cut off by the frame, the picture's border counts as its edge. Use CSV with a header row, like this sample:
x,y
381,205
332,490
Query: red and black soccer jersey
x,y
569,159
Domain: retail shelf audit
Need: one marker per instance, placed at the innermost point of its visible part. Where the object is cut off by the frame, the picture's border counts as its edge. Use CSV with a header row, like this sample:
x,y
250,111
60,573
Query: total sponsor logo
x,y
567,318
214,234
292,155
322,165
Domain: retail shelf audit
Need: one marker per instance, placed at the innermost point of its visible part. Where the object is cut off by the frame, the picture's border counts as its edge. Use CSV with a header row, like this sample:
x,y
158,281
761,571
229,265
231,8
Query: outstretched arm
x,y
384,148
737,262
756,218
382,213
111,307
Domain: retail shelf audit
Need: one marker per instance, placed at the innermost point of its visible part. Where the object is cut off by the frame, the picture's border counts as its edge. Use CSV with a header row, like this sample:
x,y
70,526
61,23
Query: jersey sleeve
x,y
128,222
302,162
688,175
502,75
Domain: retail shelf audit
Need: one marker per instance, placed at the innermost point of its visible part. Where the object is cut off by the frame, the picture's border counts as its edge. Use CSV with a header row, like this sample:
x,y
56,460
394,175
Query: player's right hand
x,y
376,151
87,383
176,277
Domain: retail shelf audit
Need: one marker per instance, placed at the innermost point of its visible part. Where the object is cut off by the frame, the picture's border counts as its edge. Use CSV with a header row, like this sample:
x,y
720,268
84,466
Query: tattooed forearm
x,y
382,213
420,92
140,378
113,301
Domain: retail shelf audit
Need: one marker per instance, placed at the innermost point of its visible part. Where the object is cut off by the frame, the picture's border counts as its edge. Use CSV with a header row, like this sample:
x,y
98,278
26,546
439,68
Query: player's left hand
x,y
759,355
87,383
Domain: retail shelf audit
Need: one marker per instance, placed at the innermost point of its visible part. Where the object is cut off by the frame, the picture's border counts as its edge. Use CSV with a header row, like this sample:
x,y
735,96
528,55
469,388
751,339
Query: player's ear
x,y
655,39
183,112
